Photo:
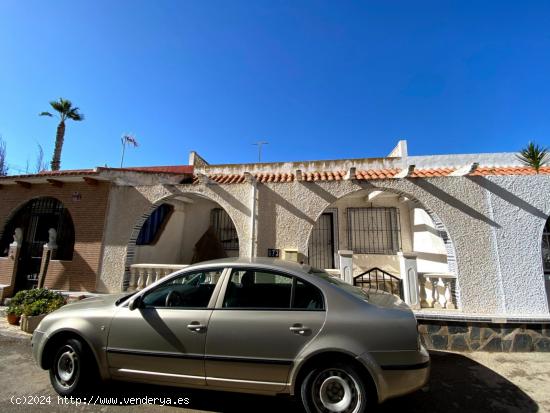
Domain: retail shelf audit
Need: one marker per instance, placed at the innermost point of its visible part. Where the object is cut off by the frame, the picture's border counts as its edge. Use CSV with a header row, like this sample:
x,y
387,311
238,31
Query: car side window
x,y
258,289
270,290
189,290
307,297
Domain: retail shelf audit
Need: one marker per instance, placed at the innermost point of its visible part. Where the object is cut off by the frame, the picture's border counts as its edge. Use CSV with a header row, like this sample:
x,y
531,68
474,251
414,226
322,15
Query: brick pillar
x,y
47,254
13,258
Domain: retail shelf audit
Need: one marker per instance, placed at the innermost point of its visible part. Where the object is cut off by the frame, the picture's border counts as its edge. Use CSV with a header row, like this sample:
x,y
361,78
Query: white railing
x,y
142,275
435,290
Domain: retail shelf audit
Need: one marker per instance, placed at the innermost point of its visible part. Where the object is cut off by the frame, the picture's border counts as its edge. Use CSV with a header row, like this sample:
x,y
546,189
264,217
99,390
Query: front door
x,y
164,340
321,243
265,320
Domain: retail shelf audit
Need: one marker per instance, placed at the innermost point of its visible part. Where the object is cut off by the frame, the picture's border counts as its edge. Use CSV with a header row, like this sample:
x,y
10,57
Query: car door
x,y
258,328
163,340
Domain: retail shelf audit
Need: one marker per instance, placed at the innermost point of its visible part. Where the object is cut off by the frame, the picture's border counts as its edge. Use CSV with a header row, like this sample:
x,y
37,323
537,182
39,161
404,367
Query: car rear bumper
x,y
406,380
400,373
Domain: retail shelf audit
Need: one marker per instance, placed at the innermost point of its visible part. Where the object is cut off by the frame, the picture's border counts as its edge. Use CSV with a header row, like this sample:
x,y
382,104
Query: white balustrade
x,y
143,275
435,290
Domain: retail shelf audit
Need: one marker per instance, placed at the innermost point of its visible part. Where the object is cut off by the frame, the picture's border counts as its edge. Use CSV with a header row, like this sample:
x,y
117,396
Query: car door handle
x,y
196,327
299,329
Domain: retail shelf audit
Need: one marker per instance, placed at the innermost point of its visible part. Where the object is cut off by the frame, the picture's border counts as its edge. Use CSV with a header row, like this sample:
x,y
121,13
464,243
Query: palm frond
x,y
58,106
66,110
45,114
534,156
74,115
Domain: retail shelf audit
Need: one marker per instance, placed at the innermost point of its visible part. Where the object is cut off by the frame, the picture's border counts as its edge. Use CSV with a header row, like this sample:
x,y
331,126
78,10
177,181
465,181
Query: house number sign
x,y
273,252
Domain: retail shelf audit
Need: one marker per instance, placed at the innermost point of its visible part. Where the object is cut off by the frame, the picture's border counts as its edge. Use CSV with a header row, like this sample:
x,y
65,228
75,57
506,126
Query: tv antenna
x,y
259,144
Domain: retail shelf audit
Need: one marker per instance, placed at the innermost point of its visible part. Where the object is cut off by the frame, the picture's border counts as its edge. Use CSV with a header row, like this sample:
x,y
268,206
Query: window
x,y
191,290
307,297
269,290
224,228
154,225
374,230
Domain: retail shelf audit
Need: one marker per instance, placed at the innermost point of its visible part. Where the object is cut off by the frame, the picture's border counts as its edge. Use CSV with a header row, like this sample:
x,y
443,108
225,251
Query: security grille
x,y
374,230
321,243
224,228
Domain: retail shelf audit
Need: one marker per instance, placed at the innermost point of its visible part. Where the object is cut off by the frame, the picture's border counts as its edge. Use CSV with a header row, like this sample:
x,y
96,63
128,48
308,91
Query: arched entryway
x,y
35,219
545,248
176,231
388,231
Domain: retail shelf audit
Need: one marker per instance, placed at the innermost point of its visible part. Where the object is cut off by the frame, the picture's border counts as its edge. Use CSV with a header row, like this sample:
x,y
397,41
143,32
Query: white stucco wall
x,y
460,203
129,207
521,205
495,224
431,255
168,248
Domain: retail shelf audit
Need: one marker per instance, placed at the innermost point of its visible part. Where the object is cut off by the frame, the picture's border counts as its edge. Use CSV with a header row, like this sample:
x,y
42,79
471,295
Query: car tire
x,y
335,388
71,370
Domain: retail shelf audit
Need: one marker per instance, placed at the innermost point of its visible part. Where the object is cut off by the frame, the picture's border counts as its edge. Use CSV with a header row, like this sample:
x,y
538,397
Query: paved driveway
x,y
490,383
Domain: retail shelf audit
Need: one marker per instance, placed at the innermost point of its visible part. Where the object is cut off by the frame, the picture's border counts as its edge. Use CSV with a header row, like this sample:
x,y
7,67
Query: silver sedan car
x,y
248,325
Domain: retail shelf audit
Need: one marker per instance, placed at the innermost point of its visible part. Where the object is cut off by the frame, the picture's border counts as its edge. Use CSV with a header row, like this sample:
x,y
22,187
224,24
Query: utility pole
x,y
259,144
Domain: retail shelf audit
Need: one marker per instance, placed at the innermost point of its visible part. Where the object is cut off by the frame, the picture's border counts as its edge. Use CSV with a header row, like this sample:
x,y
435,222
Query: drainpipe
x,y
254,192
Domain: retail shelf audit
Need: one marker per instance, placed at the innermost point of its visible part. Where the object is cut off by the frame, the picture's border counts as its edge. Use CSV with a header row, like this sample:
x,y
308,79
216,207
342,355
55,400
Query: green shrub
x,y
35,302
15,309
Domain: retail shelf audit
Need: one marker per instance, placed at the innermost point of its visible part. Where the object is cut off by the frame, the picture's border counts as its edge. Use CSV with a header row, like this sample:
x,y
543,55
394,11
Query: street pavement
x,y
494,383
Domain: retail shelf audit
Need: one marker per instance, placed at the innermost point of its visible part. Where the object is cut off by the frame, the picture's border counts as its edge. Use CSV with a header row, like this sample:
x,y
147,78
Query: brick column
x,y
11,267
48,253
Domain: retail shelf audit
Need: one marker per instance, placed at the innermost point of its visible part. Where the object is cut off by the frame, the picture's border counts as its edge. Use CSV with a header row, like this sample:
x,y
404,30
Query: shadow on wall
x,y
267,215
230,199
452,201
457,385
507,196
74,275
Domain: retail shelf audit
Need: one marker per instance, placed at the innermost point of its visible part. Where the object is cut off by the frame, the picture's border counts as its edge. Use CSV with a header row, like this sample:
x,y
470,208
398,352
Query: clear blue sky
x,y
318,80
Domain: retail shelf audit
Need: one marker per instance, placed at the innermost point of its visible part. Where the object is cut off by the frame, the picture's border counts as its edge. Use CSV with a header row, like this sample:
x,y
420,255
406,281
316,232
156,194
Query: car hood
x,y
101,301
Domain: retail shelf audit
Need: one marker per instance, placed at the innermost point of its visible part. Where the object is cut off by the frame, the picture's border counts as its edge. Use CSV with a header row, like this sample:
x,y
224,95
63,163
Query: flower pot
x,y
13,319
29,323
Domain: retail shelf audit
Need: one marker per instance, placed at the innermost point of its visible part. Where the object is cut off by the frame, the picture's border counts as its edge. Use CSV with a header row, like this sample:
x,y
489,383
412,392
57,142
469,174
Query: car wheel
x,y
69,368
335,389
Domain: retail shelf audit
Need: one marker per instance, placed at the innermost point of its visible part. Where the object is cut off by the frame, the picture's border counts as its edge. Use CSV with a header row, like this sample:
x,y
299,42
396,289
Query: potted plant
x,y
13,314
35,304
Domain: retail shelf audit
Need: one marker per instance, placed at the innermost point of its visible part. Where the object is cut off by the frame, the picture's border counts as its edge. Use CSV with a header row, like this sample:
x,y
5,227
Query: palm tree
x,y
533,155
65,110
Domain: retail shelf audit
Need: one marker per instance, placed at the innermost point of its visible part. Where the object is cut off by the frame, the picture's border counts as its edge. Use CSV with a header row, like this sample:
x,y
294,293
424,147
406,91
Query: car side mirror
x,y
135,303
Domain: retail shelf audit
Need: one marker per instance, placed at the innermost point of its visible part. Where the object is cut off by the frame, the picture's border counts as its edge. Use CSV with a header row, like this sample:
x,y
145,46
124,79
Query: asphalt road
x,y
458,384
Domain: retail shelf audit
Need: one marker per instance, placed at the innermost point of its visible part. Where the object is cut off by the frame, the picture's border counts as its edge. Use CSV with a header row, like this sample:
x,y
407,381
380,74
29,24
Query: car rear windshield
x,y
357,292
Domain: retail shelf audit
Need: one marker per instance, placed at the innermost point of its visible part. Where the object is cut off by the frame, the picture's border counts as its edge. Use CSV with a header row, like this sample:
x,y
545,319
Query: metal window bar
x,y
379,280
224,228
374,230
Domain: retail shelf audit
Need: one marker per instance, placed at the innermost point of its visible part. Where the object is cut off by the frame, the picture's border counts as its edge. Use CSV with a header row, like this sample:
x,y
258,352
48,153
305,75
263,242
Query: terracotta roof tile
x,y
431,172
509,170
370,174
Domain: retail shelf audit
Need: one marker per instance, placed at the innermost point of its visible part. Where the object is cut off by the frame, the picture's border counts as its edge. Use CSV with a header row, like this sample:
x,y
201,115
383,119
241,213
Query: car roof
x,y
263,262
